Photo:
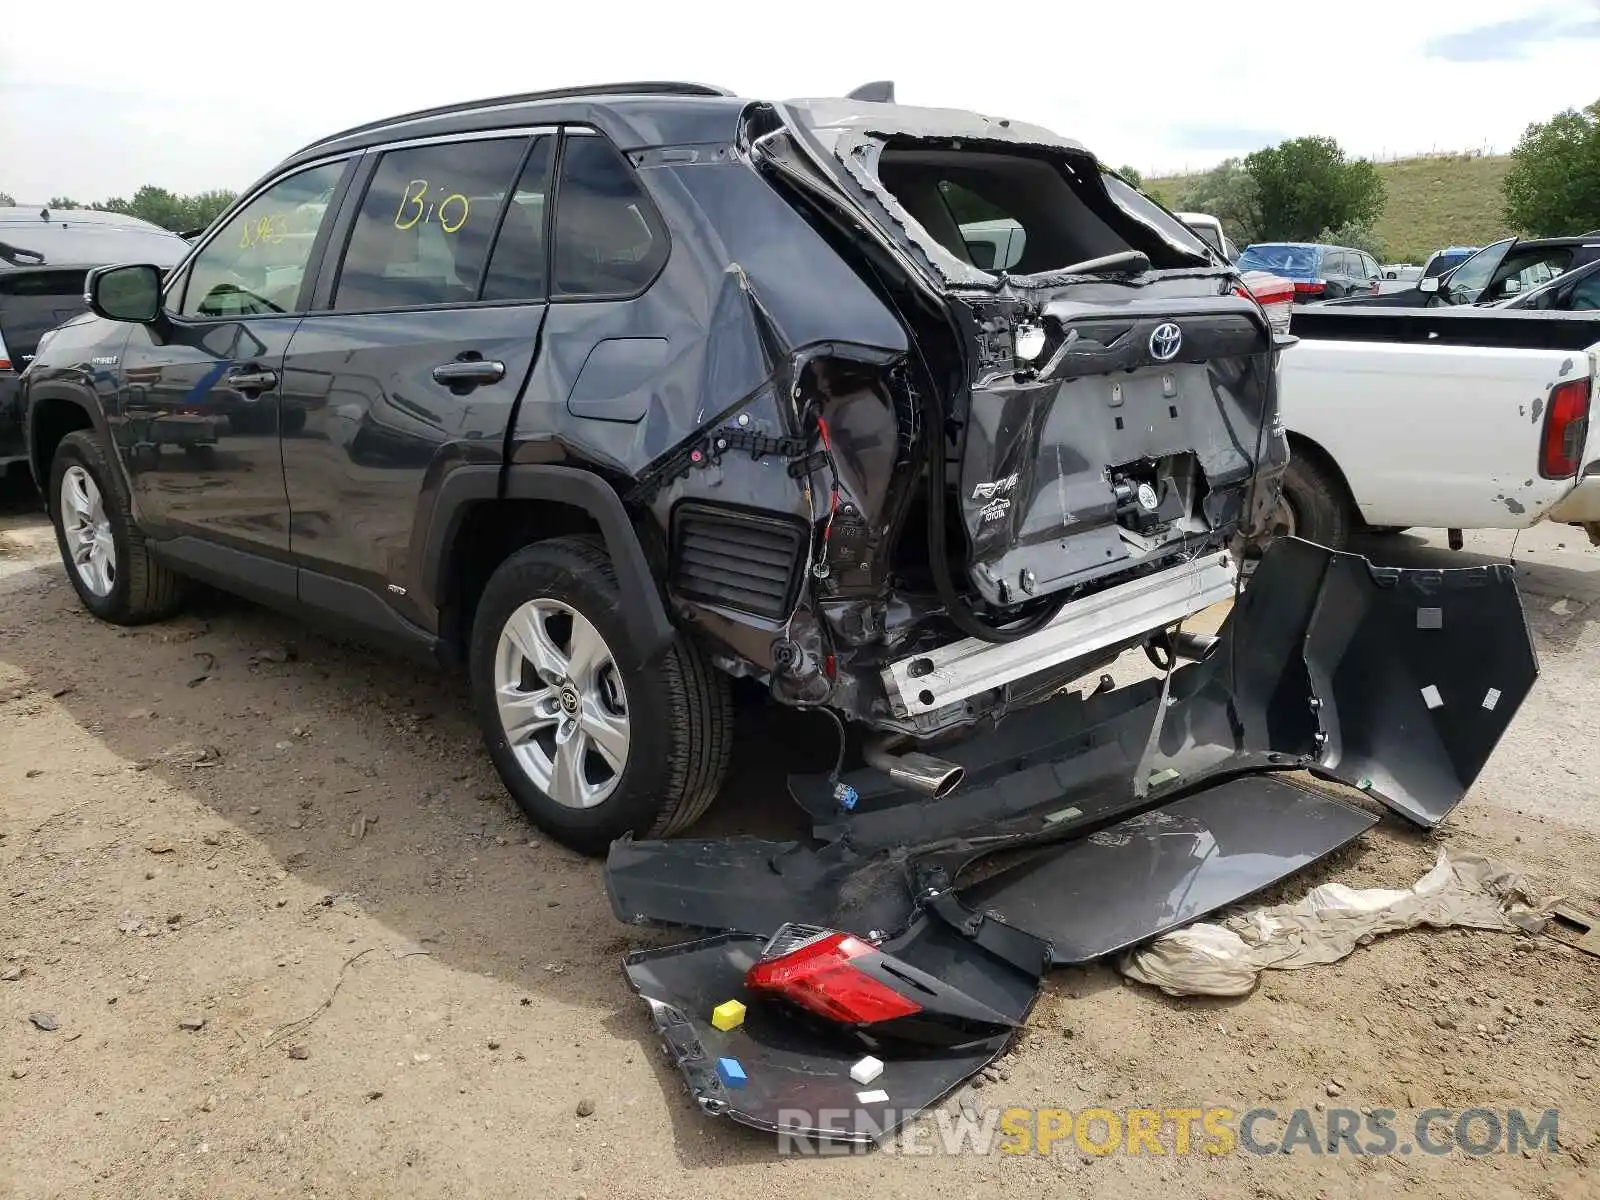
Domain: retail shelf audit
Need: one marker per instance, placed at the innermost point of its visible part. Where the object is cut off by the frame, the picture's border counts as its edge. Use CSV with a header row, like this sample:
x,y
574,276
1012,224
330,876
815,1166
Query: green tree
x,y
1358,234
169,209
7,200
1132,176
1228,193
1553,186
1306,185
63,202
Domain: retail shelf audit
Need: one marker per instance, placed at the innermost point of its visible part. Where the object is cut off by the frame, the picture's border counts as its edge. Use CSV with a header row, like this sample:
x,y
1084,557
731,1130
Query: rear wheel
x,y
106,556
1313,505
590,747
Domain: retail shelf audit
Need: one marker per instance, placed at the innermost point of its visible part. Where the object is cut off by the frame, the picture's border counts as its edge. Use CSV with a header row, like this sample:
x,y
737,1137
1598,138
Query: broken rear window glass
x,y
1028,214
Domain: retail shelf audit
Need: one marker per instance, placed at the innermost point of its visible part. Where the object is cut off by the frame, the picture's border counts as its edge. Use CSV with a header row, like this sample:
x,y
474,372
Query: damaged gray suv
x,y
612,393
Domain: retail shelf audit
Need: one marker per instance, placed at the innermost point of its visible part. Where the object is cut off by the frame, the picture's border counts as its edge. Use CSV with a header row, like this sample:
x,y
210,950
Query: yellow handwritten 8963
x,y
273,228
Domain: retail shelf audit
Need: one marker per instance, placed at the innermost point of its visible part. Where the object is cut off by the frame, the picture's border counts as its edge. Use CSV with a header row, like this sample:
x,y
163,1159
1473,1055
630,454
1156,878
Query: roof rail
x,y
638,88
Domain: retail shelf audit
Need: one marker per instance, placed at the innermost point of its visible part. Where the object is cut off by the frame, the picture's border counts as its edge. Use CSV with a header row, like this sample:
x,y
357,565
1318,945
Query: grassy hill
x,y
1430,203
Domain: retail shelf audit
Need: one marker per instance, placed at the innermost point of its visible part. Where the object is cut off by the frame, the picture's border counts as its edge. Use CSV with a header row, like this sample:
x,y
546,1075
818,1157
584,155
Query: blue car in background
x,y
1318,272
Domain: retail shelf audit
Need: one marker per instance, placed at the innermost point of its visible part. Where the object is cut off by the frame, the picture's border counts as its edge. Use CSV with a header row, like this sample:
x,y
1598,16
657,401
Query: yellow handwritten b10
x,y
452,211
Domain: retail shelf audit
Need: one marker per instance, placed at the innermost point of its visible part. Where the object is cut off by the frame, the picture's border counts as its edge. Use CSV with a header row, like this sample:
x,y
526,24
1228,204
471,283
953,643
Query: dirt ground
x,y
228,821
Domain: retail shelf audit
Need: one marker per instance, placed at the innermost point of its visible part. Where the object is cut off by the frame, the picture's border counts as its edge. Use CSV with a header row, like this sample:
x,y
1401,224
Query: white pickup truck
x,y
1449,419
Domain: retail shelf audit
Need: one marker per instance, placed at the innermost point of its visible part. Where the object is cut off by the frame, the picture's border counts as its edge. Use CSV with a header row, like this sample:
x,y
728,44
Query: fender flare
x,y
640,597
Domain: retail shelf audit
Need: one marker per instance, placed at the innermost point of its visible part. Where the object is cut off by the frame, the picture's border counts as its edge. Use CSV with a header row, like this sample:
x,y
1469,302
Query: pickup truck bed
x,y
1455,418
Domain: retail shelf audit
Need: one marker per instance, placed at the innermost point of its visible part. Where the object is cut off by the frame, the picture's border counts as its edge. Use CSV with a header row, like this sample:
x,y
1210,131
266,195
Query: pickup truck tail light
x,y
1566,429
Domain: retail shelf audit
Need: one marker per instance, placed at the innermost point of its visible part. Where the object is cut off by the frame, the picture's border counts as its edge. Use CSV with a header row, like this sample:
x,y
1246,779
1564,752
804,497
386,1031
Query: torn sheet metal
x,y
796,1076
1167,867
1329,922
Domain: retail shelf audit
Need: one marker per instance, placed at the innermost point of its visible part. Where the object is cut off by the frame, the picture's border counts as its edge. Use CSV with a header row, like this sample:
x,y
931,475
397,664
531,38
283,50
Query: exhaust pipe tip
x,y
1196,647
917,772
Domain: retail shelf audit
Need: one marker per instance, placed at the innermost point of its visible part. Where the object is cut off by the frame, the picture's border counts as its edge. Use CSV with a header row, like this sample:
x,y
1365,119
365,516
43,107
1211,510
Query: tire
x,y
139,588
676,714
1317,503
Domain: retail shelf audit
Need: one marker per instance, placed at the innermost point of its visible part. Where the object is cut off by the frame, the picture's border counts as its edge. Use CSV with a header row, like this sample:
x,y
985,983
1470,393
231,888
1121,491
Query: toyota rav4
x,y
609,394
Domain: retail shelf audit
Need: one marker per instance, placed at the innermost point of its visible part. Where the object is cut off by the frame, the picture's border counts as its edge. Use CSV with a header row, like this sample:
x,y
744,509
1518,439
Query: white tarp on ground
x,y
1329,923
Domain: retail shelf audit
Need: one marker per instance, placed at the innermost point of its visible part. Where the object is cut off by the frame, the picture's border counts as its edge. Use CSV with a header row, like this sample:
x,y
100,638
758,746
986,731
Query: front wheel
x,y
107,560
590,746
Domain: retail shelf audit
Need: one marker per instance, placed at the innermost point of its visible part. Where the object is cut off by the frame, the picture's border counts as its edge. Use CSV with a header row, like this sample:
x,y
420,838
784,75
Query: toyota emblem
x,y
1165,342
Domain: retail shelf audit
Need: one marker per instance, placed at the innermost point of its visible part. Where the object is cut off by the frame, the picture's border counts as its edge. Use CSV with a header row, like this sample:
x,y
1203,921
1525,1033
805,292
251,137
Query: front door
x,y
196,414
416,354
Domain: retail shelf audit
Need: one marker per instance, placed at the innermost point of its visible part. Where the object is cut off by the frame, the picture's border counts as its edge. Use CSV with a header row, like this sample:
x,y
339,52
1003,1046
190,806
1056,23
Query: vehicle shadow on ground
x,y
365,780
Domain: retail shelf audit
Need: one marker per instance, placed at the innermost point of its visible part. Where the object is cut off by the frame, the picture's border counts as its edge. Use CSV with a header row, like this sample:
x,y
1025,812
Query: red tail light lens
x,y
1273,293
1566,429
1310,287
815,973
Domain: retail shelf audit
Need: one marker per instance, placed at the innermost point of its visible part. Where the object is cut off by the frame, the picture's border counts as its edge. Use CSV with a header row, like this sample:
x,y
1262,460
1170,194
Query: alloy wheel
x,y
562,704
87,531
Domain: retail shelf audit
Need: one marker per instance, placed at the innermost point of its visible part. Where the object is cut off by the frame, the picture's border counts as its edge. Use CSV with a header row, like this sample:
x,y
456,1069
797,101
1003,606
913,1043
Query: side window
x,y
517,263
608,239
423,233
256,262
1370,265
1333,264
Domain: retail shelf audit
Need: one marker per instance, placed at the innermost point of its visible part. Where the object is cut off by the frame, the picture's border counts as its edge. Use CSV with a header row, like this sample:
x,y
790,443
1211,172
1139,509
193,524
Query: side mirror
x,y
128,293
1428,285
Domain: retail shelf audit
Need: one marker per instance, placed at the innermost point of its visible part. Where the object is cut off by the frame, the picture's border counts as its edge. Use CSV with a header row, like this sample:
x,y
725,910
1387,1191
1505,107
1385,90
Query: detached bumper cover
x,y
1396,682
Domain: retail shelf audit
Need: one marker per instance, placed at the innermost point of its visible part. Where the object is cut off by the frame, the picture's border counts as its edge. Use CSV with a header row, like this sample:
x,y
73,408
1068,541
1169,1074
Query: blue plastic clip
x,y
846,797
730,1072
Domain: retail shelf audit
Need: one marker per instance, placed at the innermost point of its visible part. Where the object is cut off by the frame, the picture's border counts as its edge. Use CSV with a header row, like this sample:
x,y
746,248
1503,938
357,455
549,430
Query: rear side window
x,y
517,263
609,241
1062,213
425,226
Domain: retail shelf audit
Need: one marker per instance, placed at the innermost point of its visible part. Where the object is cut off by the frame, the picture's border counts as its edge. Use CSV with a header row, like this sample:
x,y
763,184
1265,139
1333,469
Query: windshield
x,y
65,241
1472,276
1292,262
1444,260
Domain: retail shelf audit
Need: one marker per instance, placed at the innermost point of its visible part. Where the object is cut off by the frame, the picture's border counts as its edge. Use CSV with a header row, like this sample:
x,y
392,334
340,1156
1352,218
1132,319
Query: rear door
x,y
196,415
424,332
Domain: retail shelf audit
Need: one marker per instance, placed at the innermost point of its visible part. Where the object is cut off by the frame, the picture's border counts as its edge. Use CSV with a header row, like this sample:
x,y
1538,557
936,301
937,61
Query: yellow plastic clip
x,y
728,1015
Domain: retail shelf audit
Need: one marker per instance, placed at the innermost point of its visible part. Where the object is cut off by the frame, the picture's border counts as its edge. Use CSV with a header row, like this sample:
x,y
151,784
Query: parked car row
x,y
44,258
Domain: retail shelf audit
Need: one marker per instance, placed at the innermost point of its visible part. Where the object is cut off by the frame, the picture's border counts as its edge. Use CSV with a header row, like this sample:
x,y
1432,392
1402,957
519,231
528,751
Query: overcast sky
x,y
107,96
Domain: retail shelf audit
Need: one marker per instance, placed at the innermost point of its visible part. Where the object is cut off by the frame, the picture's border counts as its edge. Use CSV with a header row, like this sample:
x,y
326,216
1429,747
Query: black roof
x,y
634,115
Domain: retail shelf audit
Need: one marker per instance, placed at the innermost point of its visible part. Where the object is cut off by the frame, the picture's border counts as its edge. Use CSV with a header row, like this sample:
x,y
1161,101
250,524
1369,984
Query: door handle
x,y
253,381
469,371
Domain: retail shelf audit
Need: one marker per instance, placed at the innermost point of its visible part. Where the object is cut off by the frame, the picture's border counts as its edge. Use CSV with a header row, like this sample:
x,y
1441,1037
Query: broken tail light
x,y
815,970
1566,429
849,982
1273,293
